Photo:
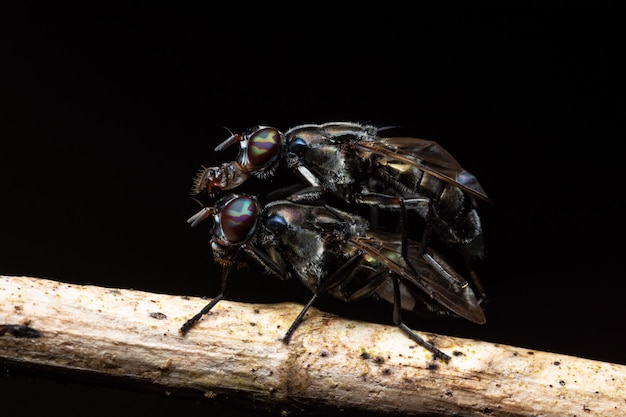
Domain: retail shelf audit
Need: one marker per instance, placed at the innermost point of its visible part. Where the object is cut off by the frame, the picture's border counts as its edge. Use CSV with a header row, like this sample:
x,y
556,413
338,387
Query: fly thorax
x,y
306,251
300,247
292,160
330,164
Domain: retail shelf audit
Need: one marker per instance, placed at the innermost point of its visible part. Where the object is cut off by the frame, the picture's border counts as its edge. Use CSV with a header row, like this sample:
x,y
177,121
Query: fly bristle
x,y
199,183
221,261
269,171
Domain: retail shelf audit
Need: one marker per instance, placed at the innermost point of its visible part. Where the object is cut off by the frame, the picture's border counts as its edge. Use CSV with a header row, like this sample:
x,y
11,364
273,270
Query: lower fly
x,y
334,252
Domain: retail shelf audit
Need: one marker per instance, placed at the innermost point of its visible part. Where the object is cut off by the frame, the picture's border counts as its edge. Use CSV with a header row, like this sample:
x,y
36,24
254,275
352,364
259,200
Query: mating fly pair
x,y
331,251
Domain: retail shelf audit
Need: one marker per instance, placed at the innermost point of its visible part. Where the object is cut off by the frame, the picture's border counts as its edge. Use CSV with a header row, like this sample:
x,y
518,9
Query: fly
x,y
354,163
334,252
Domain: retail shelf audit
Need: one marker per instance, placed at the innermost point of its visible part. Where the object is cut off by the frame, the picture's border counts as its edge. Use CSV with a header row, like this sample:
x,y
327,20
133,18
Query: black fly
x,y
334,252
354,163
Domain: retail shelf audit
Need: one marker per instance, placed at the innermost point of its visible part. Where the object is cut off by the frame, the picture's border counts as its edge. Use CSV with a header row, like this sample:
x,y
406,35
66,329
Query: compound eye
x,y
263,147
238,219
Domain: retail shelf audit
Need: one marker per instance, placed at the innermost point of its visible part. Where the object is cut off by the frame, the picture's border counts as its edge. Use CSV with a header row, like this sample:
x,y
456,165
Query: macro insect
x,y
352,162
334,252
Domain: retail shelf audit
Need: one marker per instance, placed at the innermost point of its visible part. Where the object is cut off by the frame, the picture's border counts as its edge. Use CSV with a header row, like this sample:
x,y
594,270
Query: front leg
x,y
307,194
226,274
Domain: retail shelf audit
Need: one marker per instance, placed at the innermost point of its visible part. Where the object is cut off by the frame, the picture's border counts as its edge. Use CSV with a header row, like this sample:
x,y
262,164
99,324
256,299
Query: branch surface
x,y
331,362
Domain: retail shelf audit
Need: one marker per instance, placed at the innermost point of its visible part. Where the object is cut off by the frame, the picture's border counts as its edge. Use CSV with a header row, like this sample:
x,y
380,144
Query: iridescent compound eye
x,y
263,146
238,219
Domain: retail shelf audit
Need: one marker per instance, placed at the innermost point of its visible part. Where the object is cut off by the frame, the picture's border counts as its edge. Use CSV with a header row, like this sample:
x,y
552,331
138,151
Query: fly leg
x,y
478,286
397,320
392,203
403,234
225,286
332,281
296,193
428,226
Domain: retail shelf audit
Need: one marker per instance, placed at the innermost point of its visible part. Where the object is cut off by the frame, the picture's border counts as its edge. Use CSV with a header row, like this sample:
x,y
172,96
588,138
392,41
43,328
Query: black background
x,y
108,112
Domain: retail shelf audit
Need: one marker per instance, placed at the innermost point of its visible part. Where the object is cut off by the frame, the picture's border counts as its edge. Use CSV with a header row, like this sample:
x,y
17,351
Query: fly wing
x,y
430,273
428,156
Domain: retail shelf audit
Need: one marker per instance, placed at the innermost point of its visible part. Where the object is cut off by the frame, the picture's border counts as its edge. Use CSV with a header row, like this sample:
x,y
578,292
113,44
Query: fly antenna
x,y
202,215
198,201
228,142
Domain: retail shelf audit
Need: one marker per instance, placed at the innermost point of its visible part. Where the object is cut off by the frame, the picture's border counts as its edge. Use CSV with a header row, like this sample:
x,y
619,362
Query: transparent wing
x,y
428,156
430,273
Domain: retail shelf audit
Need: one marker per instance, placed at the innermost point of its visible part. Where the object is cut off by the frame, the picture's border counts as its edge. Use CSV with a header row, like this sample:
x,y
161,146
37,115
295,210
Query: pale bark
x,y
236,353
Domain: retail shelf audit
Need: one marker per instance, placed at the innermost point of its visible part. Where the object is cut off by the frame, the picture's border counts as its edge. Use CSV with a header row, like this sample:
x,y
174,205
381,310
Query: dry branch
x,y
330,362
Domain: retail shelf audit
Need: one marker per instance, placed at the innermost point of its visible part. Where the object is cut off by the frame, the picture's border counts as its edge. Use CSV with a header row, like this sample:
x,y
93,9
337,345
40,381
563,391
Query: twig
x,y
330,362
